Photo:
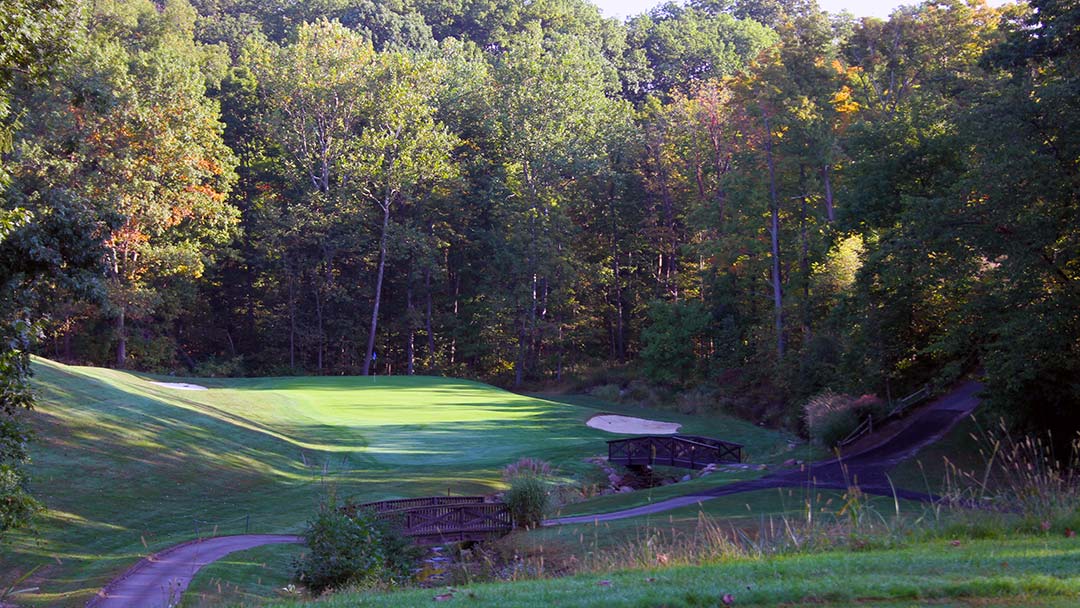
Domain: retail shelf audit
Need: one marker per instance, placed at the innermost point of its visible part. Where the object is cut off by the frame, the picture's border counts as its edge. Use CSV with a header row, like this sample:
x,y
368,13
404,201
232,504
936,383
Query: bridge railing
x,y
687,451
867,426
439,519
427,501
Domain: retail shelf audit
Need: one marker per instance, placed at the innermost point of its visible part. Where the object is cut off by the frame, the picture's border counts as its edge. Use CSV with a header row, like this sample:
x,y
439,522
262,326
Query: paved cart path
x,y
158,580
866,469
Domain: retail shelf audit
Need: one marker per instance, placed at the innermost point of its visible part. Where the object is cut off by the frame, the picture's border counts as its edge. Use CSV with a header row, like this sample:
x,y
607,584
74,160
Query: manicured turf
x,y
243,578
127,467
1018,572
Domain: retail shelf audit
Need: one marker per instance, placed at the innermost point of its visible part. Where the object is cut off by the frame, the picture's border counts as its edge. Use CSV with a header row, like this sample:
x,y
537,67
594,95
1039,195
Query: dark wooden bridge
x,y
686,451
436,520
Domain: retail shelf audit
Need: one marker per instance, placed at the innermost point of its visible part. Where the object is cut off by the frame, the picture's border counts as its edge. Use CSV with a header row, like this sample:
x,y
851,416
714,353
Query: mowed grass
x,y
1029,571
966,447
127,467
245,578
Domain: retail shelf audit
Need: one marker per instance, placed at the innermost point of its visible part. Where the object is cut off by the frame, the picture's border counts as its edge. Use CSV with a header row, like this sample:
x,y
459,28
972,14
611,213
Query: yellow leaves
x,y
210,166
844,102
126,237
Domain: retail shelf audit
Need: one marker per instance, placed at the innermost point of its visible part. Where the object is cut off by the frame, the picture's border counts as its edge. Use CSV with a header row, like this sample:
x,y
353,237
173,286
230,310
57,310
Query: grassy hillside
x,y
1027,571
127,467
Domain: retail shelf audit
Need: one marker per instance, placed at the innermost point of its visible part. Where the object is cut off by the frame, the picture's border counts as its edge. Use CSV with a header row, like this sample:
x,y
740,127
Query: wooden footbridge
x,y
436,520
686,451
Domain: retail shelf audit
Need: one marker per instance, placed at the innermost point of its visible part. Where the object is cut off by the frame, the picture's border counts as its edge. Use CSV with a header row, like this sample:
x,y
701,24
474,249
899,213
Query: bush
x,y
644,393
232,367
526,466
698,401
606,392
348,551
528,500
830,417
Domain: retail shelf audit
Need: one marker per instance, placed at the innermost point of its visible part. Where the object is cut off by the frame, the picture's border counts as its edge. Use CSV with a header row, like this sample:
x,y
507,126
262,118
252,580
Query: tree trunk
x,y
410,345
668,261
378,289
826,181
804,258
774,231
453,339
292,321
121,339
319,326
519,372
427,320
620,331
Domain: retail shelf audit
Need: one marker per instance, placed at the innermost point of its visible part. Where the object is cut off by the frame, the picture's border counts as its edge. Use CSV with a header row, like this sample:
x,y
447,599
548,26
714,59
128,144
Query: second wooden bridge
x,y
436,520
686,451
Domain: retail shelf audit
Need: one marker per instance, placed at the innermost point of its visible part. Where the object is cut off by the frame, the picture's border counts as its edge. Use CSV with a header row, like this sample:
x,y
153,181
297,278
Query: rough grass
x,y
127,467
929,470
1029,571
243,578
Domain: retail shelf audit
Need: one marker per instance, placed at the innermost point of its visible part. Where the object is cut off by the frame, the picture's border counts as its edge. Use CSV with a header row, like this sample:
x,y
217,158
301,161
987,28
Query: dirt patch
x,y
184,386
628,425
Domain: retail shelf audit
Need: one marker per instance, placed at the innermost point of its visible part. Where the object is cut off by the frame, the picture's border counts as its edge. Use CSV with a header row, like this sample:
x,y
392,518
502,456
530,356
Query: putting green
x,y
127,466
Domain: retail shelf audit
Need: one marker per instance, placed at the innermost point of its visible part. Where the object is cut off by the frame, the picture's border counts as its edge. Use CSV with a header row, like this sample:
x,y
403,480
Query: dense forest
x,y
738,193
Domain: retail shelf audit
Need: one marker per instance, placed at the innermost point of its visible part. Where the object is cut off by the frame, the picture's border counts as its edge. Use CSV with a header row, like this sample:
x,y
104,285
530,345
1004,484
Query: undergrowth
x,y
1021,489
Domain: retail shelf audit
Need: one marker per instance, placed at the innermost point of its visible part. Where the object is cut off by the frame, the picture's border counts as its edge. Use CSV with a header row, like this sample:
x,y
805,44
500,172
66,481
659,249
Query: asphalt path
x,y
158,581
866,469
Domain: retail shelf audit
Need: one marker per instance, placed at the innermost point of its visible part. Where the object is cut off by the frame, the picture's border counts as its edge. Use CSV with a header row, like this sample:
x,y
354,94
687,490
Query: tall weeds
x,y
1020,475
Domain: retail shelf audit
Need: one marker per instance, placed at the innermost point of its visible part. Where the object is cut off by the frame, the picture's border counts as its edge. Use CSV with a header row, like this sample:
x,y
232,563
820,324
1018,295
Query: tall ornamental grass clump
x,y
528,497
830,417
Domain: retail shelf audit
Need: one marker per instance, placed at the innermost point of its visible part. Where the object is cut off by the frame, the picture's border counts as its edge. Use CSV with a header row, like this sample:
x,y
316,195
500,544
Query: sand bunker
x,y
184,386
632,426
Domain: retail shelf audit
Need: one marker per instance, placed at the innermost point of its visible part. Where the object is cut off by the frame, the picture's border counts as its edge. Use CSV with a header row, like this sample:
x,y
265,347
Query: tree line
x,y
750,191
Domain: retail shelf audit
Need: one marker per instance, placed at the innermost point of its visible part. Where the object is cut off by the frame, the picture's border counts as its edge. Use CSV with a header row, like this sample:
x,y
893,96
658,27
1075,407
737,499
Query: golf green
x,y
126,466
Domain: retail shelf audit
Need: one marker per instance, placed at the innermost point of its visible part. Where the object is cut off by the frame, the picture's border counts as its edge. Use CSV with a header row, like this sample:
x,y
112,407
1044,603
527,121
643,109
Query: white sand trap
x,y
632,426
184,386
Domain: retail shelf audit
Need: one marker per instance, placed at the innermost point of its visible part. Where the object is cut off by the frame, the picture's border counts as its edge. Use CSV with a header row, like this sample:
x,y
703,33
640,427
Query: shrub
x,y
698,400
526,466
527,499
606,392
644,393
830,416
232,367
353,551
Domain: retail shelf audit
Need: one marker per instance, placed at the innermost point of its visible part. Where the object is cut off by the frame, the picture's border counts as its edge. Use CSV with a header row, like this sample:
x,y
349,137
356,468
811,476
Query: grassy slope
x,y
964,447
1031,571
127,467
245,577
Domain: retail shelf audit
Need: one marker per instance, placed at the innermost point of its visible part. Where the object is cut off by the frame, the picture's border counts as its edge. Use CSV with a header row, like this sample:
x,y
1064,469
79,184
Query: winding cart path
x,y
866,469
159,580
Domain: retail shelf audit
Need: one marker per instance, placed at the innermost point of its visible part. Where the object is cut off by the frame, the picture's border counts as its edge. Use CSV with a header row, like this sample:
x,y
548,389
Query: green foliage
x,y
500,189
342,551
686,45
528,500
831,417
527,466
357,551
17,506
606,392
672,339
